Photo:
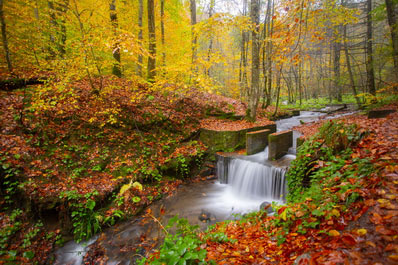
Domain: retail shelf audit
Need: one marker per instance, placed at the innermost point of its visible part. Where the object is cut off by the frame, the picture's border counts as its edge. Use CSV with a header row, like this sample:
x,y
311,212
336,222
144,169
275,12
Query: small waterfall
x,y
253,180
222,168
252,177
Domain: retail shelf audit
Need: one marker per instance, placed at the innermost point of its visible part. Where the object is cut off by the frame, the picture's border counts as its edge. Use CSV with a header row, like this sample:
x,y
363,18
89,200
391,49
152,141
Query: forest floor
x,y
365,232
73,161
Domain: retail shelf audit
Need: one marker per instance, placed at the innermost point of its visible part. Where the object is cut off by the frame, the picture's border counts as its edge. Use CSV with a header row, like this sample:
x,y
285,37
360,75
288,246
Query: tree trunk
x,y
212,3
140,37
243,58
336,64
4,37
162,32
152,42
270,28
57,10
116,70
392,18
254,89
278,88
347,58
369,50
194,39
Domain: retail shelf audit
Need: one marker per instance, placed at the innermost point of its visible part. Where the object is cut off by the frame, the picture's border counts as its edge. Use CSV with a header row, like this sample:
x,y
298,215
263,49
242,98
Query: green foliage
x,y
86,221
323,175
182,165
116,215
182,247
318,103
9,182
333,138
9,231
218,237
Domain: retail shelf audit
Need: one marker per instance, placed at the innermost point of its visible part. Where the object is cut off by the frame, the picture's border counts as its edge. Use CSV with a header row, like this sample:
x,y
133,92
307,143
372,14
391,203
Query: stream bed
x,y
122,244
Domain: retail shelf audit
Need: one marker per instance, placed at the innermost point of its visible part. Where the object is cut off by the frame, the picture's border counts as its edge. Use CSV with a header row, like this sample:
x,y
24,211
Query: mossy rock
x,y
229,141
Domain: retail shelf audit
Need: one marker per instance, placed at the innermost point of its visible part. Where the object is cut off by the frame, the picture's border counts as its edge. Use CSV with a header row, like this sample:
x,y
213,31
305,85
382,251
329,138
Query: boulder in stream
x,y
267,207
205,216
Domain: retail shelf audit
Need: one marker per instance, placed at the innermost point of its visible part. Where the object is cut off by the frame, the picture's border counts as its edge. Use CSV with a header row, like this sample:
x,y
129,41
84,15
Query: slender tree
x,y
152,41
140,36
349,68
116,70
243,57
369,50
4,36
194,38
392,18
57,12
162,31
336,64
255,82
209,50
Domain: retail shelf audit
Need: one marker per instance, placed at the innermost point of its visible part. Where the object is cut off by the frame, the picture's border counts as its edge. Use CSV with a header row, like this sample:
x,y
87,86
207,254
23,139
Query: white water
x,y
72,253
254,178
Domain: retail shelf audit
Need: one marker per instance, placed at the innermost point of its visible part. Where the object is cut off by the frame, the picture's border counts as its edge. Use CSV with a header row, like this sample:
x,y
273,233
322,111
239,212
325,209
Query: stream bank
x,y
202,203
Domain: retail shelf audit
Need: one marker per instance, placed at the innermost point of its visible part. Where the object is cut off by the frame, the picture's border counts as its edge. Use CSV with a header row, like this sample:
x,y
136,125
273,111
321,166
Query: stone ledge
x,y
375,114
279,143
229,141
256,141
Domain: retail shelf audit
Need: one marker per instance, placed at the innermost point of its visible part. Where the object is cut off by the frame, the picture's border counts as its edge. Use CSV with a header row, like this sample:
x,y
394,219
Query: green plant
x,y
84,219
182,166
31,234
116,215
8,231
219,237
180,248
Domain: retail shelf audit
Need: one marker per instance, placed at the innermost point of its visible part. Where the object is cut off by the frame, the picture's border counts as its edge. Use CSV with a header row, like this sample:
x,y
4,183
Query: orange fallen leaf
x,y
334,233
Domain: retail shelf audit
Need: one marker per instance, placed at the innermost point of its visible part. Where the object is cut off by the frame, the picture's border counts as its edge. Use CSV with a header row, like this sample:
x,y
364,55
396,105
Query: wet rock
x,y
206,171
267,206
205,216
375,114
303,259
211,177
296,112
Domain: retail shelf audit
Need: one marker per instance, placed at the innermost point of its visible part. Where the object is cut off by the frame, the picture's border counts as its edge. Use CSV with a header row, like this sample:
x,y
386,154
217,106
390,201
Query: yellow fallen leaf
x,y
393,257
283,215
383,201
362,231
124,188
335,213
137,185
334,233
247,249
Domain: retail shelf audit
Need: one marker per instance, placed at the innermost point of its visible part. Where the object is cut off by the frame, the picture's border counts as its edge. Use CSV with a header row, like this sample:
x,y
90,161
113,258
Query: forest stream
x,y
202,203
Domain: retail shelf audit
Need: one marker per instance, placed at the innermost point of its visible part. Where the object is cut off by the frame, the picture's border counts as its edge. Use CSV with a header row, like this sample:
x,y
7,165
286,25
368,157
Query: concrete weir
x,y
229,141
279,144
256,141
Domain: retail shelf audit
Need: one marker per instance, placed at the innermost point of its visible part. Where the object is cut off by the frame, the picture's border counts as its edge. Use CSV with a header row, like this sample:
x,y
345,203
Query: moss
x,y
229,141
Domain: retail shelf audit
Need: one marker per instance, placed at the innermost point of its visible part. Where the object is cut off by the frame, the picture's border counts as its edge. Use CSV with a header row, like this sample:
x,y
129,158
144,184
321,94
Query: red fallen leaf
x,y
162,210
369,202
280,211
391,247
348,239
383,230
376,218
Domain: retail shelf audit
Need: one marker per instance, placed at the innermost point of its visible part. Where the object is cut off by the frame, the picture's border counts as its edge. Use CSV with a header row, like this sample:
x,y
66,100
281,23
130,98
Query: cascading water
x,y
253,177
253,180
244,183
